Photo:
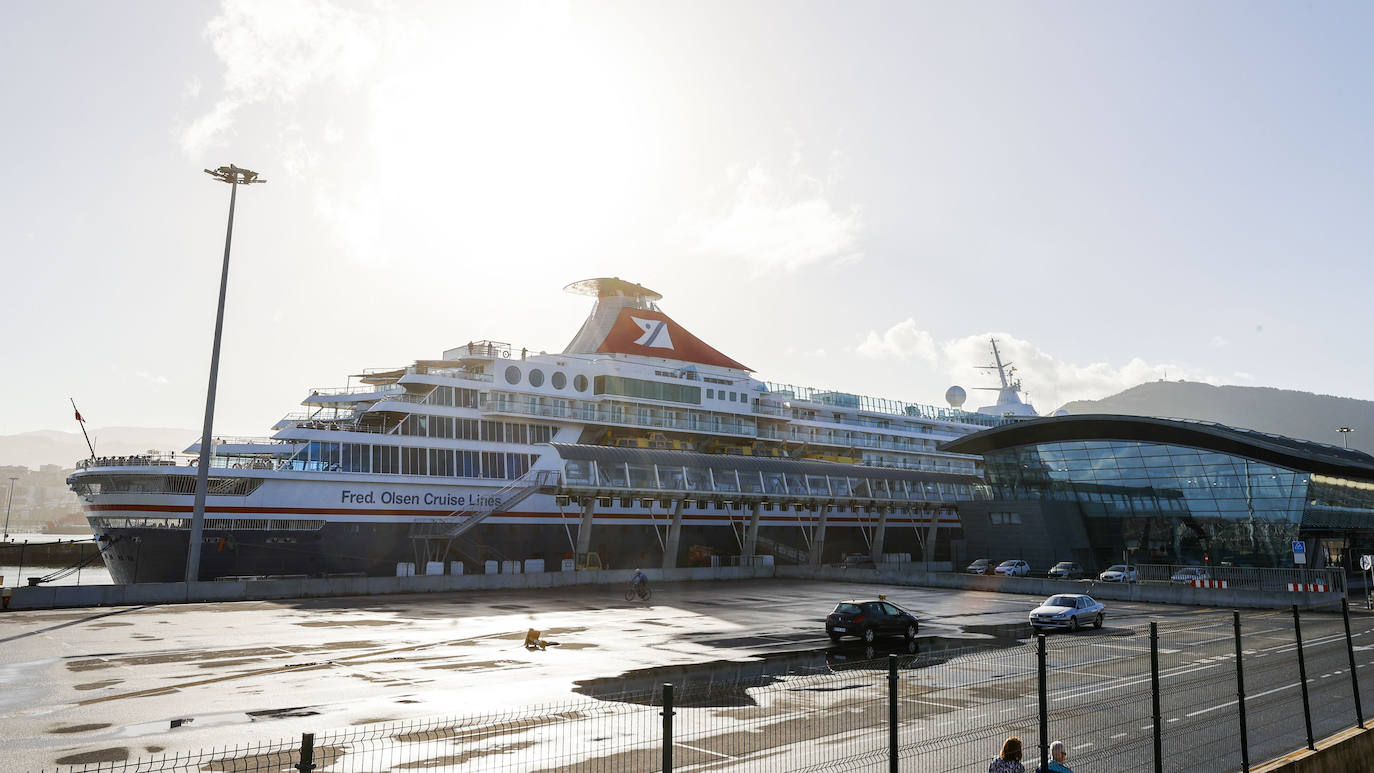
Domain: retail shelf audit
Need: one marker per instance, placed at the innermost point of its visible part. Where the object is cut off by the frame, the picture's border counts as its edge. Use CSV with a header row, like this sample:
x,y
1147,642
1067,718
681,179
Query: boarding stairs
x,y
781,550
505,498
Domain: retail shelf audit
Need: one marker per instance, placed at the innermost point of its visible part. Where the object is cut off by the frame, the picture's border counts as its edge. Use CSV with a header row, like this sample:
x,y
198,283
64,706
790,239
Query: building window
x,y
1005,519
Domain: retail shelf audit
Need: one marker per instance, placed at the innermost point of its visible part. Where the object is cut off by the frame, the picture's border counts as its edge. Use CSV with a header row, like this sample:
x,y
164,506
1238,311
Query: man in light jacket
x,y
1058,753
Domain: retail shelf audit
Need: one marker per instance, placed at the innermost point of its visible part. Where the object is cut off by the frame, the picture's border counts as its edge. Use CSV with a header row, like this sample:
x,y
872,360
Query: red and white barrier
x,y
1310,587
1209,583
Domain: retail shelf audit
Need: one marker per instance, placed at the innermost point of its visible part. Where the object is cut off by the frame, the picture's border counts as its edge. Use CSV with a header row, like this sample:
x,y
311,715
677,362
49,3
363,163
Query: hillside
x,y
35,449
1281,411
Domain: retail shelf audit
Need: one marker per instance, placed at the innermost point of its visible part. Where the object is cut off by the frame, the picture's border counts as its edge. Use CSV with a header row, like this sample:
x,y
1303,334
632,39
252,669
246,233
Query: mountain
x,y
1281,411
35,449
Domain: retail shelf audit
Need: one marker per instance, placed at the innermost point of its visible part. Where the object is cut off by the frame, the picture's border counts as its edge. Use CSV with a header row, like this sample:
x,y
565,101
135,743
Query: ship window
x,y
710,393
536,378
558,379
512,375
580,383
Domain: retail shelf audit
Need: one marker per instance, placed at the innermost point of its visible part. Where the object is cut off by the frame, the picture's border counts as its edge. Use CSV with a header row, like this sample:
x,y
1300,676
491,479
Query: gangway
x,y
432,540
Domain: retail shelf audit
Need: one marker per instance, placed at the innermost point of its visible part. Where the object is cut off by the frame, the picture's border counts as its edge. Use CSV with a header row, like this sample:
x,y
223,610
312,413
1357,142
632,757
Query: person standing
x,y
1009,760
1058,753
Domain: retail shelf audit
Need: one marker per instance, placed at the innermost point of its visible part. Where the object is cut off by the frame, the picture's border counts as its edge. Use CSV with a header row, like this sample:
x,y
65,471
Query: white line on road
x,y
936,703
1080,746
1118,735
703,751
1247,697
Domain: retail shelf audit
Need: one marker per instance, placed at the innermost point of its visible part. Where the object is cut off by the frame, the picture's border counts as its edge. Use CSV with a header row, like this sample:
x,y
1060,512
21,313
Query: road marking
x,y
1080,746
1134,649
1247,697
1118,735
703,751
935,703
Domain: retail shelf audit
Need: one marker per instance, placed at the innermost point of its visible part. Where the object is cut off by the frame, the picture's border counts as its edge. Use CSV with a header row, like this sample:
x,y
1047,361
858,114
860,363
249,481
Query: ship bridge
x,y
593,474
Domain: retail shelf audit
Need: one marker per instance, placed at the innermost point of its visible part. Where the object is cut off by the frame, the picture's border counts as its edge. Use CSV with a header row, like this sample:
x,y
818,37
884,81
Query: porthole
x,y
536,378
512,375
580,383
558,379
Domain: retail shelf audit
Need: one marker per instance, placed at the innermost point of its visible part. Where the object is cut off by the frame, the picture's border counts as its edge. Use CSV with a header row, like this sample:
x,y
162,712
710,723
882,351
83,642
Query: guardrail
x,y
1243,577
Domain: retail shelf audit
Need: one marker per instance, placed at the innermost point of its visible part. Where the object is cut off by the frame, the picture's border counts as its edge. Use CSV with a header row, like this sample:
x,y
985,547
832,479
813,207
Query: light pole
x,y
235,177
8,505
1345,435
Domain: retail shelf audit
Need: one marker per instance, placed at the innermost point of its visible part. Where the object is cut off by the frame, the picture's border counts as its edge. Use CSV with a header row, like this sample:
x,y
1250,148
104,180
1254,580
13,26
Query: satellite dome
x,y
956,396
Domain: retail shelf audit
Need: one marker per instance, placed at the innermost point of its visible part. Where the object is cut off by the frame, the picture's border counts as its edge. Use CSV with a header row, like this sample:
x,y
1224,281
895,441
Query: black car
x,y
870,618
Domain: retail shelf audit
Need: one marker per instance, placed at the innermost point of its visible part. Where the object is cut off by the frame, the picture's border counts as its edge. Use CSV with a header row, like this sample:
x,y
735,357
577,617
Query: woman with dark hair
x,y
1009,761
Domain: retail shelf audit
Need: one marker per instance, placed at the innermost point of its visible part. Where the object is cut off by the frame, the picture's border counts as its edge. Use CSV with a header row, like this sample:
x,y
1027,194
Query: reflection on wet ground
x,y
723,683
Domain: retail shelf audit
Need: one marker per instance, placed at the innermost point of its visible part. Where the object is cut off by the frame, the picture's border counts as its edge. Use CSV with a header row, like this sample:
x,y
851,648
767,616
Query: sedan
x,y
1066,570
979,566
1013,568
1067,610
1120,573
870,618
1190,573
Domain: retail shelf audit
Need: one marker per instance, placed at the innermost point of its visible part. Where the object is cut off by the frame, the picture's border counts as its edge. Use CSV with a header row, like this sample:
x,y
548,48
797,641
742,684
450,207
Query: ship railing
x,y
624,418
454,372
845,400
335,426
365,389
234,461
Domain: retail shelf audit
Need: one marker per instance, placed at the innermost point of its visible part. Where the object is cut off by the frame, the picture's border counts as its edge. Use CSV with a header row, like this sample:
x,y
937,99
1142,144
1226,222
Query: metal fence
x,y
1207,693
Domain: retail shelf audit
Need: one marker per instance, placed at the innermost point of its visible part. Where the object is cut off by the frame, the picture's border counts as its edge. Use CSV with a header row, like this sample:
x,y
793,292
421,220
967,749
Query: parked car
x,y
1120,573
1013,568
979,566
1067,610
870,618
1187,574
1066,570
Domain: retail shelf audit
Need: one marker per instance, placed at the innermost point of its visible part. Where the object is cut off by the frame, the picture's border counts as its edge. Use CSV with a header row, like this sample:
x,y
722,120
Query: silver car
x,y
1067,610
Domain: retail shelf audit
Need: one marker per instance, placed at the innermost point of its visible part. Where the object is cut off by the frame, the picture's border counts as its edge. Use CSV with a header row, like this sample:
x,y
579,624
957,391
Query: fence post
x,y
1044,705
1154,693
667,728
892,713
1350,650
1240,696
1302,679
307,762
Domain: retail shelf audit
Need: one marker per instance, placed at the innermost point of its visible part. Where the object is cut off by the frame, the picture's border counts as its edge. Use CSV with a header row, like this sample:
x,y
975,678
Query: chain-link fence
x,y
1172,697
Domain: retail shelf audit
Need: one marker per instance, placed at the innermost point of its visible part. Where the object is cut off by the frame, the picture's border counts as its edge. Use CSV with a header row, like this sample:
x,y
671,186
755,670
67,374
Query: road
x,y
106,685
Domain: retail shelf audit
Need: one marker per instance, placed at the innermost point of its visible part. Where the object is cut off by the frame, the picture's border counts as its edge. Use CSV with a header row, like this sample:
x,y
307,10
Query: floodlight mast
x,y
235,176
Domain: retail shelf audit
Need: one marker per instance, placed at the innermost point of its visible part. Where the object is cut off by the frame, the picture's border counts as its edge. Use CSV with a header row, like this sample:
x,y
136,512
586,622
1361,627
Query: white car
x,y
1013,568
1120,573
1067,610
1188,574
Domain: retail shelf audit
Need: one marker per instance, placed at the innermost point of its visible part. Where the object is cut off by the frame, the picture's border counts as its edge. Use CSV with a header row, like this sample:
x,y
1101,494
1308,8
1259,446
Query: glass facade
x,y
1170,504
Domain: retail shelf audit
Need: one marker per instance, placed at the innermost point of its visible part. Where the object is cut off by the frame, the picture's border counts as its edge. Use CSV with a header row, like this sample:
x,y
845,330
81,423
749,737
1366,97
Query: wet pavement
x,y
112,684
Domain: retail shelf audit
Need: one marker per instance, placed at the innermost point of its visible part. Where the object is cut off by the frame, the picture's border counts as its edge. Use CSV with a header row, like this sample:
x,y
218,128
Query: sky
x,y
841,195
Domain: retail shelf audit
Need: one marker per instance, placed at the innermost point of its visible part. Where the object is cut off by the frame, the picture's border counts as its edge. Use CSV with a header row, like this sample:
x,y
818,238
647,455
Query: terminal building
x,y
1104,489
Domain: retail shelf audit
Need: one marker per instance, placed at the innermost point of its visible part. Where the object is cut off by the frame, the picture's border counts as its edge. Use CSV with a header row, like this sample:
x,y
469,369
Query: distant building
x,y
1102,489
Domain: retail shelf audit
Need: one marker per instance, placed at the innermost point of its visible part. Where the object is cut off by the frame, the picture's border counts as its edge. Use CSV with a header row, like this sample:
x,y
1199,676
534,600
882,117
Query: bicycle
x,y
640,589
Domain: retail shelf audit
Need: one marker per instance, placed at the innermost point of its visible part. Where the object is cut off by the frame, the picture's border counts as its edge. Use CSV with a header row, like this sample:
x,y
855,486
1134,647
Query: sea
x,y
13,575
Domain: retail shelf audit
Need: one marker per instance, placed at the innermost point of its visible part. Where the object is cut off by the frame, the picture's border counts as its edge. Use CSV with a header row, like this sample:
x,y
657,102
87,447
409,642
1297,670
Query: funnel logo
x,y
655,333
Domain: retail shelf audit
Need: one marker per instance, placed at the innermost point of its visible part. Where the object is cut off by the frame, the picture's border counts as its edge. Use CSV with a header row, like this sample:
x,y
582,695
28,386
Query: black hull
x,y
159,555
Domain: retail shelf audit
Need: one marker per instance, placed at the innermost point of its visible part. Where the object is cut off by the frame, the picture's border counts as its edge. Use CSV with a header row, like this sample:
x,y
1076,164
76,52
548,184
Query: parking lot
x,y
111,684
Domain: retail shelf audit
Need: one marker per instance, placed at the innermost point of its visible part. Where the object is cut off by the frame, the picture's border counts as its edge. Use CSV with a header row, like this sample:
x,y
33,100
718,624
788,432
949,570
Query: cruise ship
x,y
638,445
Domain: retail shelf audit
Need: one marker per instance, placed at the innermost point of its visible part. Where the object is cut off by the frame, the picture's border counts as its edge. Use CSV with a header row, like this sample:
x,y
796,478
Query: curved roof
x,y
752,463
1260,446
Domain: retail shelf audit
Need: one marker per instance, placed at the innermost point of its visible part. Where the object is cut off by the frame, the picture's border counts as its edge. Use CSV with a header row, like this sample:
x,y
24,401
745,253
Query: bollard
x,y
1350,650
892,713
307,762
1240,696
1302,679
1154,696
667,728
1044,705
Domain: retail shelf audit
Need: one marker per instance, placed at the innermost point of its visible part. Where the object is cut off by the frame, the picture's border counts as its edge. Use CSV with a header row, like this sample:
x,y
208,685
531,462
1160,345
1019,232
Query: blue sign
x,y
1299,546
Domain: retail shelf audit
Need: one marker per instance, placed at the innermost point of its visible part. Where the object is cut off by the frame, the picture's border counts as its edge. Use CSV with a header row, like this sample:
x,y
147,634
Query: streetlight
x,y
235,177
8,505
1345,435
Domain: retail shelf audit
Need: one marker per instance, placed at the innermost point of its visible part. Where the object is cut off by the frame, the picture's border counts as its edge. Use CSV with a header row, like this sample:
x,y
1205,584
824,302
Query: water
x,y
91,574
36,538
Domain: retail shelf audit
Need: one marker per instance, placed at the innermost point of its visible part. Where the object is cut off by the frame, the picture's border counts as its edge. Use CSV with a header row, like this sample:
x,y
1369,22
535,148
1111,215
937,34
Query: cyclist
x,y
639,582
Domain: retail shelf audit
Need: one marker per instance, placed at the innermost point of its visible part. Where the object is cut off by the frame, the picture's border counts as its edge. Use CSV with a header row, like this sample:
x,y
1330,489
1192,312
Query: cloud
x,y
775,224
1218,342
151,378
1048,381
272,50
903,340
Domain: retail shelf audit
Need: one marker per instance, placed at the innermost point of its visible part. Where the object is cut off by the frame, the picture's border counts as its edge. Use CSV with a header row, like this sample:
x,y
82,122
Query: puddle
x,y
726,683
345,623
295,711
80,728
116,754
